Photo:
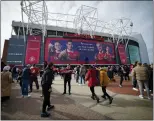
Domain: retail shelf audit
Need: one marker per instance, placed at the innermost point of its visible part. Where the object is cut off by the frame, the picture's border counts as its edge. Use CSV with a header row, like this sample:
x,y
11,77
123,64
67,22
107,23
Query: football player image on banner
x,y
108,56
100,55
54,50
69,53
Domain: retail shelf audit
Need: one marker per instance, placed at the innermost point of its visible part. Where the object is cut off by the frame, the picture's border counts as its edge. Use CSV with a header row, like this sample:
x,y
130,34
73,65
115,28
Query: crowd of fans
x,y
96,75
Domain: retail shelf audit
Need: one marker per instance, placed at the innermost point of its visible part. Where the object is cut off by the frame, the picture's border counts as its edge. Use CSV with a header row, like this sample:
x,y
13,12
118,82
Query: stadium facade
x,y
17,51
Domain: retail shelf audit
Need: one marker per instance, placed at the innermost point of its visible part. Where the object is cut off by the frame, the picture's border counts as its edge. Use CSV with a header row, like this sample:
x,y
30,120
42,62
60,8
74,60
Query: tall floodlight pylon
x,y
123,28
86,19
37,13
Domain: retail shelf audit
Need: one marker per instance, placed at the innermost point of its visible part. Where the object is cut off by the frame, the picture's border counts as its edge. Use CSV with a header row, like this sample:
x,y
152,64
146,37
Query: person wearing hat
x,y
104,81
25,80
6,80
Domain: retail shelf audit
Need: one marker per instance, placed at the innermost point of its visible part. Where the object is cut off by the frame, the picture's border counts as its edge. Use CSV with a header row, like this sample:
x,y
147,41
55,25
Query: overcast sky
x,y
140,12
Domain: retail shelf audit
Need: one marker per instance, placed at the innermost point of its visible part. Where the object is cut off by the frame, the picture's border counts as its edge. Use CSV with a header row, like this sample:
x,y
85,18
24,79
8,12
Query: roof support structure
x,y
85,21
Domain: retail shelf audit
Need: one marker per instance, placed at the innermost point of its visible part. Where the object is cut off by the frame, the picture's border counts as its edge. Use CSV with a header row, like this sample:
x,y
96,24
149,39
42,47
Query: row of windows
x,y
15,54
15,45
14,61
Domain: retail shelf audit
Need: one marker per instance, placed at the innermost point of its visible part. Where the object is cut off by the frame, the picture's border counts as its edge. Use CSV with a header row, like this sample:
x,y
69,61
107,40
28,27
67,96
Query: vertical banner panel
x,y
122,53
78,51
33,50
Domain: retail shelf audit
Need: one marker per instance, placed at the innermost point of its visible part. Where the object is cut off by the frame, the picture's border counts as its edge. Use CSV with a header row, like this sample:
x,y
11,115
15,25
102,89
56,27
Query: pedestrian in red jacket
x,y
92,82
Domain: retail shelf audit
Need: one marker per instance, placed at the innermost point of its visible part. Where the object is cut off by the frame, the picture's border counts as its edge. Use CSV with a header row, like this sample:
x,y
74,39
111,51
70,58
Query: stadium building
x,y
82,42
15,48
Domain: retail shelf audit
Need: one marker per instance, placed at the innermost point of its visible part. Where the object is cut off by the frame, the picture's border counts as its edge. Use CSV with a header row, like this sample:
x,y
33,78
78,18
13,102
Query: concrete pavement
x,y
127,107
79,105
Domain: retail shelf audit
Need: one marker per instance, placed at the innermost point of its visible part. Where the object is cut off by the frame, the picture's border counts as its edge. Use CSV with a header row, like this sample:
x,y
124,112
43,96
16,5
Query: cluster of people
x,y
123,71
25,76
94,75
142,75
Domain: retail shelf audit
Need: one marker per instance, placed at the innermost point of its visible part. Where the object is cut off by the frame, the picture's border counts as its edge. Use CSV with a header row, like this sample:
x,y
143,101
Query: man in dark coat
x,y
121,74
67,78
46,82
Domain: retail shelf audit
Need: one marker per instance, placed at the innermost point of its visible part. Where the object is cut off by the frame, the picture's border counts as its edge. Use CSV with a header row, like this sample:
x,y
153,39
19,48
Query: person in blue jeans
x,y
25,80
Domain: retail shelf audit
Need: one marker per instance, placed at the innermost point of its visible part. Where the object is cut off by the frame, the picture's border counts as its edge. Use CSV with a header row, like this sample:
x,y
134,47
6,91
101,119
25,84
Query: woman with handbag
x,y
104,81
91,77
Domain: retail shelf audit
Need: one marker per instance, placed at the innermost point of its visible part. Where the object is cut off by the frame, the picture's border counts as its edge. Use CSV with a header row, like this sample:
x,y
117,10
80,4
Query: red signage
x,y
33,50
83,36
122,53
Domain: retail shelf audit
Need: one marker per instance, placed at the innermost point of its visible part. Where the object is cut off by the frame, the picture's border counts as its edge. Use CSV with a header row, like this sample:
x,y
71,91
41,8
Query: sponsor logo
x,y
32,58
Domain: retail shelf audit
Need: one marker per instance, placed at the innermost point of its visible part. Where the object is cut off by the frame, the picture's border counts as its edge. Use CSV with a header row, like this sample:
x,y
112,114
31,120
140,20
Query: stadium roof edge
x,y
57,28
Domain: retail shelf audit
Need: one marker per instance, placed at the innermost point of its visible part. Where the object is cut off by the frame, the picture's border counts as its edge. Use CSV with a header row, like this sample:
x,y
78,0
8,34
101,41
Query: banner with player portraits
x,y
75,51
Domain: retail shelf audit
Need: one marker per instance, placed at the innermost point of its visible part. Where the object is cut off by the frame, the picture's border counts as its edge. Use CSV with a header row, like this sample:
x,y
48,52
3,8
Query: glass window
x,y
59,33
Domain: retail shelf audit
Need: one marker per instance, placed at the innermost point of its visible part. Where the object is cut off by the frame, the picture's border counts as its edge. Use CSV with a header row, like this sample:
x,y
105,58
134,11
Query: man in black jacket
x,y
46,82
67,79
121,74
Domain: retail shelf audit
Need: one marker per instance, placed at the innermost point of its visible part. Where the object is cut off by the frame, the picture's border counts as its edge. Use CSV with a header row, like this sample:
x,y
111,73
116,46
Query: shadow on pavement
x,y
18,108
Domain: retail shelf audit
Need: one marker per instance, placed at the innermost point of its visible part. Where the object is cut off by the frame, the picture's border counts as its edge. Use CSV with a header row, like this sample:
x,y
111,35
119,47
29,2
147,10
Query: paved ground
x,y
126,89
77,106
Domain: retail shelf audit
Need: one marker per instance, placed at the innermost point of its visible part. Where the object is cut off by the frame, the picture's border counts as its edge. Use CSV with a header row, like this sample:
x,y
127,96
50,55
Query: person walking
x,y
91,77
25,80
34,74
121,74
82,75
126,74
19,77
47,79
77,74
141,74
6,80
104,81
67,78
134,81
110,72
45,64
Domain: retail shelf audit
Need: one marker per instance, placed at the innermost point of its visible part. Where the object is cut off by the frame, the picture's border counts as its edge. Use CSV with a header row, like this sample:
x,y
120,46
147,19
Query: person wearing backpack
x,y
104,81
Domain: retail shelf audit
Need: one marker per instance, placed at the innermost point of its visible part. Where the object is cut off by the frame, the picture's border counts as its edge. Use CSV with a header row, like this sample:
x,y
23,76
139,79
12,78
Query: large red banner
x,y
122,53
33,50
75,51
